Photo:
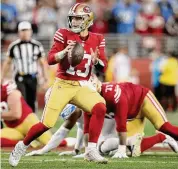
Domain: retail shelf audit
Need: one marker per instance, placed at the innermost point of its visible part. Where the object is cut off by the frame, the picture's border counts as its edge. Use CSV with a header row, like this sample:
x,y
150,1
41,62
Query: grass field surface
x,y
53,161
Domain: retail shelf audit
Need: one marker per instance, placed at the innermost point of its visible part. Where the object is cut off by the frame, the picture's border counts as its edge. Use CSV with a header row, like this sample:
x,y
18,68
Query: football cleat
x,y
93,155
136,149
17,153
172,143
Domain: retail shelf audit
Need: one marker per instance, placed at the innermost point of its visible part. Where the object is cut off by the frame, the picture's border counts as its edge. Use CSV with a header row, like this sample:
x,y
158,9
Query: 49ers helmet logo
x,y
87,9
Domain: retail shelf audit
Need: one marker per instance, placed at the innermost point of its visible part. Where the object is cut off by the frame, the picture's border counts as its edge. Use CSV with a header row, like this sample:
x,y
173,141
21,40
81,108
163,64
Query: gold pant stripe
x,y
157,106
153,96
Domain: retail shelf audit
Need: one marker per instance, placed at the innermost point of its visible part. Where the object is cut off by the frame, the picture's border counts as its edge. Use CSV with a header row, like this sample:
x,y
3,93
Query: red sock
x,y
34,132
63,143
96,122
170,130
8,143
86,122
149,142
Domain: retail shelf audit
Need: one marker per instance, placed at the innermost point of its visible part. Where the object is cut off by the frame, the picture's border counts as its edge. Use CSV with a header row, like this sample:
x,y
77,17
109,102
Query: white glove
x,y
121,152
35,153
67,153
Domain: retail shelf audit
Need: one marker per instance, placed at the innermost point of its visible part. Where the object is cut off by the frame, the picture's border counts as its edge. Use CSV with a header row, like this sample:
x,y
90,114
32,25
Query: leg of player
x,y
95,105
60,134
79,139
148,142
155,113
50,115
93,132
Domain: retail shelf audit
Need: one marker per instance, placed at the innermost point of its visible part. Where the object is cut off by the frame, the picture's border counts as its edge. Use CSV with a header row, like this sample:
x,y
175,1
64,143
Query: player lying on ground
x,y
70,83
108,142
18,117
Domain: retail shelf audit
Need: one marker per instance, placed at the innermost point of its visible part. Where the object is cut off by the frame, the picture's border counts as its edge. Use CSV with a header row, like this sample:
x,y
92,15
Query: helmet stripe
x,y
75,6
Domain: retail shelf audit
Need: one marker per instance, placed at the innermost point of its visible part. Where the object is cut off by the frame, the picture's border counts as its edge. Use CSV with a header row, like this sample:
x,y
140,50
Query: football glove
x,y
121,152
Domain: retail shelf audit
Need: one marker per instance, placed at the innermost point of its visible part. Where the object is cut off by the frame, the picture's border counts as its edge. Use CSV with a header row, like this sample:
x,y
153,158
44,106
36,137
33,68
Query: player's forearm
x,y
101,63
122,137
55,58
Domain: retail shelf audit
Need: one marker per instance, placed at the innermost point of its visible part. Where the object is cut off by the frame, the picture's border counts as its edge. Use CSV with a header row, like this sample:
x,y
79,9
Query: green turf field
x,y
150,160
53,161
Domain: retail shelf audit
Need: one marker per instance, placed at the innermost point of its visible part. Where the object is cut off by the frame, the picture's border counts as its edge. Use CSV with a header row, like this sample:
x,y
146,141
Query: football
x,y
77,54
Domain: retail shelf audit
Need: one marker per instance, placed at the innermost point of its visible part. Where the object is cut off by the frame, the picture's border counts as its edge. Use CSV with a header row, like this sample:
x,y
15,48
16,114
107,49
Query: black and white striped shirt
x,y
25,55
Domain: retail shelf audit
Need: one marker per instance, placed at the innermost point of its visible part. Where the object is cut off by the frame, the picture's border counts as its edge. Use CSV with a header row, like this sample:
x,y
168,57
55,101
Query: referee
x,y
26,53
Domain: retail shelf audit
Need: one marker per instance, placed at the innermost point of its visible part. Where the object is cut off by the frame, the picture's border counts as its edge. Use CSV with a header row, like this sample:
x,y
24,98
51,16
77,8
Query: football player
x,y
71,82
18,117
135,103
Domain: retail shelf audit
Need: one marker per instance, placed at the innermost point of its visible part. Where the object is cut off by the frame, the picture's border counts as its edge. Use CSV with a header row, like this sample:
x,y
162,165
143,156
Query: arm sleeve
x,y
58,45
102,62
121,114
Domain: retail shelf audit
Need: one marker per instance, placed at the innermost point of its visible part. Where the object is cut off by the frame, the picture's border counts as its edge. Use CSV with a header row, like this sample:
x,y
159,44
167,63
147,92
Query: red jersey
x,y
82,71
125,100
26,110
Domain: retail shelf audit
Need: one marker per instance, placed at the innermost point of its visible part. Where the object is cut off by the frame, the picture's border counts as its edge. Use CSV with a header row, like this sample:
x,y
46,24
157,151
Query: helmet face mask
x,y
83,12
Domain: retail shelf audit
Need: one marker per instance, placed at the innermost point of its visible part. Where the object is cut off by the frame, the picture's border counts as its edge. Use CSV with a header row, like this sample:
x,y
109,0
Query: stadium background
x,y
47,16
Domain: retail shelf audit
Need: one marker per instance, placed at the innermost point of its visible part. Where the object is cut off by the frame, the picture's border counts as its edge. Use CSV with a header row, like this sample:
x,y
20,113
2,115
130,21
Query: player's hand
x,y
69,48
94,55
34,153
68,153
121,152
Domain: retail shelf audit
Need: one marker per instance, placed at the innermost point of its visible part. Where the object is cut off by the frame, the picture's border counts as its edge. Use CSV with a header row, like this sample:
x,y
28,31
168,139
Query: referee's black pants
x,y
27,84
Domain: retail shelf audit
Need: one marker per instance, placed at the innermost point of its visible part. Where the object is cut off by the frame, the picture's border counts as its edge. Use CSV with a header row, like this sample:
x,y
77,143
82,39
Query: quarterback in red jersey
x,y
71,84
18,117
134,103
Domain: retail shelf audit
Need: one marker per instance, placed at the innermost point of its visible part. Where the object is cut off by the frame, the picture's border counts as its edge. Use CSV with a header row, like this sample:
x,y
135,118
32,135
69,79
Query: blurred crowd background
x,y
141,36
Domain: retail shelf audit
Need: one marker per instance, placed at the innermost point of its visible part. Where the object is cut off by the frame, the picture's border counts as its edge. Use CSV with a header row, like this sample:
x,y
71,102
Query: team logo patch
x,y
87,9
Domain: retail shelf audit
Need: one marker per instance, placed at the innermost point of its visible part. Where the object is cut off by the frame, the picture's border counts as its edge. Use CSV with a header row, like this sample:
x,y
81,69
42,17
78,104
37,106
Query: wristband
x,y
96,62
122,148
60,55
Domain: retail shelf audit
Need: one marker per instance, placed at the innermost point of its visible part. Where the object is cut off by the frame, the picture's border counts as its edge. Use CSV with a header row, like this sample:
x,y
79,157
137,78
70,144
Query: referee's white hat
x,y
24,25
